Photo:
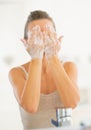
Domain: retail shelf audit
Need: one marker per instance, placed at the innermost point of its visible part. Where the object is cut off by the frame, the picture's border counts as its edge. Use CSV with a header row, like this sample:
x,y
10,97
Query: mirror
x,y
73,20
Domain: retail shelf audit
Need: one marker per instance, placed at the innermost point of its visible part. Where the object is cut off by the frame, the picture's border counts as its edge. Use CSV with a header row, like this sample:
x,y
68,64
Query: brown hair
x,y
36,15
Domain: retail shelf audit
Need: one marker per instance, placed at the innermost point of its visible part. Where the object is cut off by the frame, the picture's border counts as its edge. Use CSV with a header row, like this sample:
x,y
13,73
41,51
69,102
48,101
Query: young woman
x,y
45,82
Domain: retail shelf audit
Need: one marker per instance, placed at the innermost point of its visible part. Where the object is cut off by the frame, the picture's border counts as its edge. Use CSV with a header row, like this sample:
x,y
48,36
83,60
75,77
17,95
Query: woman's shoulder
x,y
68,62
18,70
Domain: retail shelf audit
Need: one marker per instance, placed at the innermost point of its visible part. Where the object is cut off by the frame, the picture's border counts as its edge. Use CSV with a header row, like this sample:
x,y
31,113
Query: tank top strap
x,y
24,70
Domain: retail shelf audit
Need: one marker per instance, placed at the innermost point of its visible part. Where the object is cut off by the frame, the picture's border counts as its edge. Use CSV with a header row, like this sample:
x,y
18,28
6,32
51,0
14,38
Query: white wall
x,y
11,28
73,20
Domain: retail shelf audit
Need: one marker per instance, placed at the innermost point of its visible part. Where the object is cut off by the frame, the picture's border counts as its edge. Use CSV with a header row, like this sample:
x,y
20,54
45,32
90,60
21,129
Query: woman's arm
x,y
27,91
31,92
65,77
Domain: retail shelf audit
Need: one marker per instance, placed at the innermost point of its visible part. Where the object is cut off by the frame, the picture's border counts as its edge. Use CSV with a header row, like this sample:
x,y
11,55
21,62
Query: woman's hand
x,y
34,44
39,42
51,42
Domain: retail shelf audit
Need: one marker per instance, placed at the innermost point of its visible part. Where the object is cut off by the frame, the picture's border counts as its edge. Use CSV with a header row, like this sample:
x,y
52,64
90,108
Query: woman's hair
x,y
36,15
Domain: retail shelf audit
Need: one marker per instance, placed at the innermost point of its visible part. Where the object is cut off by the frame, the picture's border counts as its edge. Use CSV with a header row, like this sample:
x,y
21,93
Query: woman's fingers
x,y
24,41
36,36
60,38
39,41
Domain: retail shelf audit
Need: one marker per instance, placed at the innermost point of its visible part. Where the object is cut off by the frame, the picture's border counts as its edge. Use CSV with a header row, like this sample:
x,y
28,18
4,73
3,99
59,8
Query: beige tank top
x,y
45,114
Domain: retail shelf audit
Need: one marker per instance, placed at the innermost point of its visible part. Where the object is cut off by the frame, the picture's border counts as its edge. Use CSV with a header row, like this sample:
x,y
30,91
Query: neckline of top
x,y
49,94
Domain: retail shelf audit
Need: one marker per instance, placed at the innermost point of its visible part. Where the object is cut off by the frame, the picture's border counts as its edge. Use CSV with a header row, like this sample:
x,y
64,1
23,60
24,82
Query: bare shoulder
x,y
69,65
17,72
71,70
14,72
17,79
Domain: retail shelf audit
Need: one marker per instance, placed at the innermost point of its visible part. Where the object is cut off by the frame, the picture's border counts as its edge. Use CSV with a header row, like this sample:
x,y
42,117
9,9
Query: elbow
x,y
72,103
75,101
31,108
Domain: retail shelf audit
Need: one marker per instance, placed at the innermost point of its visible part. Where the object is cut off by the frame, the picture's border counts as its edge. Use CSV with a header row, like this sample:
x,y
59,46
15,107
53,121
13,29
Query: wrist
x,y
37,63
52,57
35,67
36,60
38,55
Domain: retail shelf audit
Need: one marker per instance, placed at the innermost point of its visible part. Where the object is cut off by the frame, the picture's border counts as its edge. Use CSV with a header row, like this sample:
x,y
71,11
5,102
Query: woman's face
x,y
37,32
42,23
41,32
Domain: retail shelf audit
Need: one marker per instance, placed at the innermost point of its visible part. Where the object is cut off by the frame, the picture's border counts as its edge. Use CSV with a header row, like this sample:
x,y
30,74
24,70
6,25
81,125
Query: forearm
x,y
31,92
67,89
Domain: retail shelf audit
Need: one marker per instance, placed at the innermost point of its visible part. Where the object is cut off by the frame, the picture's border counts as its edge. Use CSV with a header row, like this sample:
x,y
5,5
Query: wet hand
x,y
52,42
34,44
